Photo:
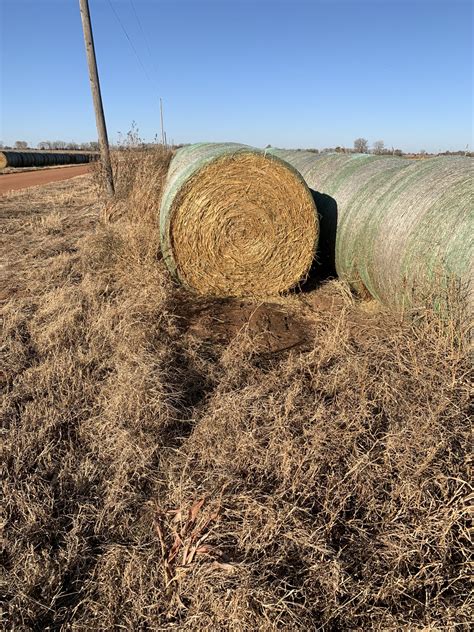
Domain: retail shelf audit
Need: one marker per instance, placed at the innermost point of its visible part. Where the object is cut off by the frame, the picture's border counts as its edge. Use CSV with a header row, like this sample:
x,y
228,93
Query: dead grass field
x,y
176,463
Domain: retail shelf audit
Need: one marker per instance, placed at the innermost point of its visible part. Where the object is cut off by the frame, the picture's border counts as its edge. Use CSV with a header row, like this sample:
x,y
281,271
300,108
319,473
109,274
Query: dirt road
x,y
25,179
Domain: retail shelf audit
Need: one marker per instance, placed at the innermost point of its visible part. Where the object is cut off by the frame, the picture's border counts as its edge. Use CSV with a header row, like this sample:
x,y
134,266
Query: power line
x,y
130,41
145,37
153,84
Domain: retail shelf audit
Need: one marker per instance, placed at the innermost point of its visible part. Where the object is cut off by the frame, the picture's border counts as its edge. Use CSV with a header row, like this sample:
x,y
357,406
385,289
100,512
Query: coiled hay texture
x,y
405,229
235,221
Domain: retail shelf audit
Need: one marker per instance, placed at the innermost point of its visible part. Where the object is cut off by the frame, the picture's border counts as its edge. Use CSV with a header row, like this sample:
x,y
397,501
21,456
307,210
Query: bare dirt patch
x,y
173,463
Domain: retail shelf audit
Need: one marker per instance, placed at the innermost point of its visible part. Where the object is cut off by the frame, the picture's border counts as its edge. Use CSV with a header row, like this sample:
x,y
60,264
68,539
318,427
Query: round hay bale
x,y
405,229
3,160
16,159
29,159
235,221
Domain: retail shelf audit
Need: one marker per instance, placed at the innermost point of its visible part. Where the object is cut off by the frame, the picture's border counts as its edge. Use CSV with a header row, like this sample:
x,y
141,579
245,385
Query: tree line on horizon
x,y
47,145
360,146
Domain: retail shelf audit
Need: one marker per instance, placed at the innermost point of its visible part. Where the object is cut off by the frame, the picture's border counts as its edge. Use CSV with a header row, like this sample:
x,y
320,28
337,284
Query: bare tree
x,y
379,147
21,144
361,146
45,144
1,144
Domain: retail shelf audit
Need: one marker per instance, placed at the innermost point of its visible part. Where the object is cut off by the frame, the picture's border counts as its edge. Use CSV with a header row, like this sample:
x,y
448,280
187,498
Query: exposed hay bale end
x,y
236,221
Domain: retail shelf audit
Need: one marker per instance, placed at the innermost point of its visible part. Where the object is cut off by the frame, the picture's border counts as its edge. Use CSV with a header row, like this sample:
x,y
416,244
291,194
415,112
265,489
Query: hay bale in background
x,y
404,228
30,158
235,221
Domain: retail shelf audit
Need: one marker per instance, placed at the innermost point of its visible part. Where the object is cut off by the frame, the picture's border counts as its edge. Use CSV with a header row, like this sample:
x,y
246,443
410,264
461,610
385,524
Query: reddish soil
x,y
25,179
271,327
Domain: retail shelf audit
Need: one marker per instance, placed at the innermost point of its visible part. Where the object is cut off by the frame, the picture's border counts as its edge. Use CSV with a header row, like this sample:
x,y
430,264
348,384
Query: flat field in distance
x,y
174,462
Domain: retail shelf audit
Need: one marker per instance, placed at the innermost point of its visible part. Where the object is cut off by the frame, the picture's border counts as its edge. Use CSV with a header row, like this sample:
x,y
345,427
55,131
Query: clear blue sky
x,y
293,73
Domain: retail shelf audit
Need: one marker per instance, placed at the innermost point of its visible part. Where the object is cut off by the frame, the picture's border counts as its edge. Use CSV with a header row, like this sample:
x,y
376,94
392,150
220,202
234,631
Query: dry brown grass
x,y
170,463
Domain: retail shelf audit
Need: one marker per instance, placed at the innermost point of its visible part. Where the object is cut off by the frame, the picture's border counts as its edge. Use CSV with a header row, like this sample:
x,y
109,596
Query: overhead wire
x,y
145,37
153,84
129,40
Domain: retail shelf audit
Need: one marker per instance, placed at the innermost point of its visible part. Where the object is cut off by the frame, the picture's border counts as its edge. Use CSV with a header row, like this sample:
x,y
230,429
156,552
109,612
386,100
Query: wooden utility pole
x,y
96,95
161,119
